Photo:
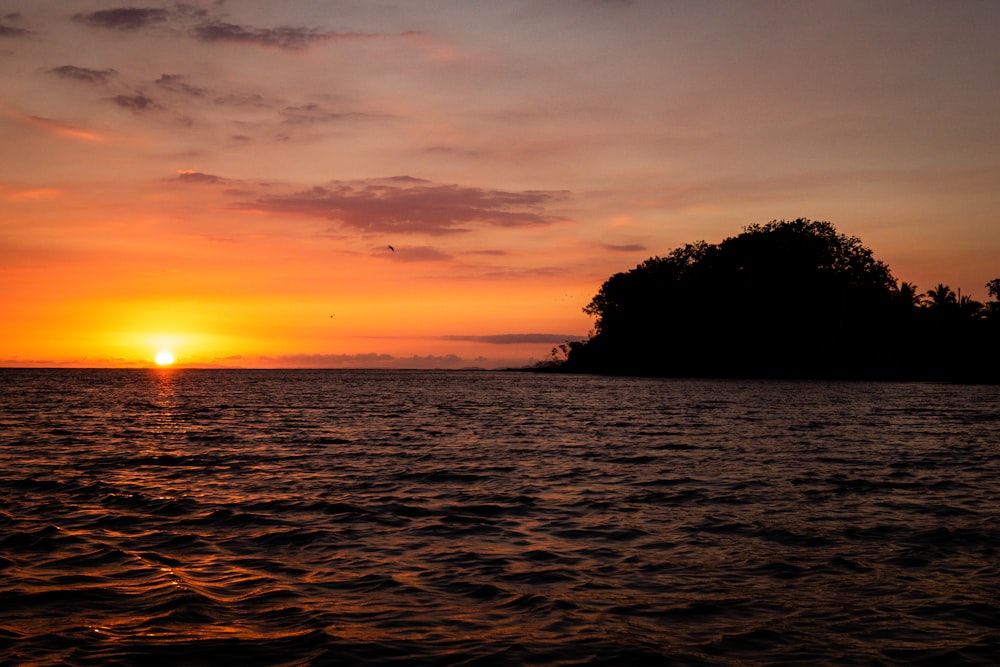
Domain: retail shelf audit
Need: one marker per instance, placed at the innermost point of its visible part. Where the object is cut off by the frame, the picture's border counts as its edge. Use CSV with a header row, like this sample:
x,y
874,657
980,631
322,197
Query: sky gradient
x,y
225,179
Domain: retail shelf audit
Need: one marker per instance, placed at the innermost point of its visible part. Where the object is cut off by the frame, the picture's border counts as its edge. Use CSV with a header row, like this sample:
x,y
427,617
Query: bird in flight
x,y
391,248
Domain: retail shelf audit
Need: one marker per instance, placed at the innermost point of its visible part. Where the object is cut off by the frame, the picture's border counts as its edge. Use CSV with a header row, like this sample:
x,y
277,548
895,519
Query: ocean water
x,y
195,517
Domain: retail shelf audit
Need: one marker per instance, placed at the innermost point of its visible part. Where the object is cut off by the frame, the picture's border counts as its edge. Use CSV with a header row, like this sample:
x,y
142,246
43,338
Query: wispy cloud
x,y
627,247
308,114
11,31
404,204
243,100
197,177
207,28
516,339
84,74
137,103
124,18
175,83
30,194
63,129
287,38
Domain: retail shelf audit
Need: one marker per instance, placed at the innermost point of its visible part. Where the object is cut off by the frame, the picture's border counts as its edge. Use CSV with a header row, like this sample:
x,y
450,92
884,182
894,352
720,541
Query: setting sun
x,y
164,358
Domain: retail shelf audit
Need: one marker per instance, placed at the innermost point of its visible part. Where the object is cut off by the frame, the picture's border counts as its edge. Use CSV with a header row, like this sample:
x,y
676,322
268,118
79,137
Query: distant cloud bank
x,y
371,360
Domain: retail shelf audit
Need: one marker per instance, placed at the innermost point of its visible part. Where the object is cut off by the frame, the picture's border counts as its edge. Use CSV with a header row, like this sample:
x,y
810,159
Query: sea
x,y
332,517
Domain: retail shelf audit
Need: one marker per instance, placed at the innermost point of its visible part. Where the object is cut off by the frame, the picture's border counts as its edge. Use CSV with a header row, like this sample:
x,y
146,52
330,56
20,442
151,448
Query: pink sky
x,y
224,179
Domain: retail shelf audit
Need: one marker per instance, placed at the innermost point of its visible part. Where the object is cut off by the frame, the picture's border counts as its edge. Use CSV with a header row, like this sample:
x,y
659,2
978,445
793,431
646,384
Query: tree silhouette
x,y
993,288
993,307
909,295
969,308
941,297
787,298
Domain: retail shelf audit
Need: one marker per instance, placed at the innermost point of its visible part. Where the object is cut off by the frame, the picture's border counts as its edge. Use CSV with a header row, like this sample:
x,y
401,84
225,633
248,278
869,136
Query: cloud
x,y
368,360
134,102
628,247
175,84
407,205
516,339
189,176
308,114
201,25
251,100
11,31
124,18
62,129
287,38
84,74
29,194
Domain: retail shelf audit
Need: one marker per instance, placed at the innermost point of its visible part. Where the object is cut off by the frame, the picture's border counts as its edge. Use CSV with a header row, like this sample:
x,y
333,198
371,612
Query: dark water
x,y
300,517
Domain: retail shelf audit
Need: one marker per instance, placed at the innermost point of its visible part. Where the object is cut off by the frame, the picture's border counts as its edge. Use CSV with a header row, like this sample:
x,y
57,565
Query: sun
x,y
164,358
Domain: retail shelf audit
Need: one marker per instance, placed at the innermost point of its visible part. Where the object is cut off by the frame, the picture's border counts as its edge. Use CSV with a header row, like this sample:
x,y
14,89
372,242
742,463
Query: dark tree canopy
x,y
788,298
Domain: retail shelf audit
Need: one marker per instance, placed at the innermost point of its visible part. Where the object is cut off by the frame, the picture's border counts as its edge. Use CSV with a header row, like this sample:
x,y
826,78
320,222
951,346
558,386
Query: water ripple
x,y
356,518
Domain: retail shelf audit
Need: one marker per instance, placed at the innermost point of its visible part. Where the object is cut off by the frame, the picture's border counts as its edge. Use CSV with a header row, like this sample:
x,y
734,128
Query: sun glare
x,y
164,358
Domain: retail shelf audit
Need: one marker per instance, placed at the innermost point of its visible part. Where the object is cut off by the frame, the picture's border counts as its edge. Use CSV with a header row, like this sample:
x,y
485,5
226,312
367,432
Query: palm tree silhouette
x,y
909,295
941,296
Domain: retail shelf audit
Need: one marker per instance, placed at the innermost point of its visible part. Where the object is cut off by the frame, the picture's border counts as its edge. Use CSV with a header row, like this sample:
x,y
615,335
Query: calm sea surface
x,y
486,518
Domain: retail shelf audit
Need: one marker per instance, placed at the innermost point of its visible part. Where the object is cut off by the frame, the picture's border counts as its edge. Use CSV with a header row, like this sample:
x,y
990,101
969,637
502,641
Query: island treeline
x,y
792,299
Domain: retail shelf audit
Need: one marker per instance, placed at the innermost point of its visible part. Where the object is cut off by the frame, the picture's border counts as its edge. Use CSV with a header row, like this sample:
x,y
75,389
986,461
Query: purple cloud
x,y
84,74
308,114
124,18
287,38
175,84
197,177
405,205
11,31
208,28
134,102
249,101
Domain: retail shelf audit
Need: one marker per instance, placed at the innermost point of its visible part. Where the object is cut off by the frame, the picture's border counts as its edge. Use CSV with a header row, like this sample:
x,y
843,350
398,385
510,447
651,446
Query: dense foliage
x,y
784,299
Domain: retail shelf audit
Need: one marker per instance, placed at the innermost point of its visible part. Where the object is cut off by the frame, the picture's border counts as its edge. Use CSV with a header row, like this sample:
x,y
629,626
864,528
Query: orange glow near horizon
x,y
426,320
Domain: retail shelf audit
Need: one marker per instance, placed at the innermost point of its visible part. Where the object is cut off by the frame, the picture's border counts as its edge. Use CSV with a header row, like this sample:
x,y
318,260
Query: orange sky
x,y
224,179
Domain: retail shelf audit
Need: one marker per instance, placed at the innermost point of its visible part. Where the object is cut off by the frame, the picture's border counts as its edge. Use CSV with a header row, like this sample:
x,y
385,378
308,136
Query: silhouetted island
x,y
789,299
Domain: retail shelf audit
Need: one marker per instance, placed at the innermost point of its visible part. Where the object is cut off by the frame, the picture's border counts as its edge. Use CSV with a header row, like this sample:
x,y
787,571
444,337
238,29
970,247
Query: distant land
x,y
787,299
